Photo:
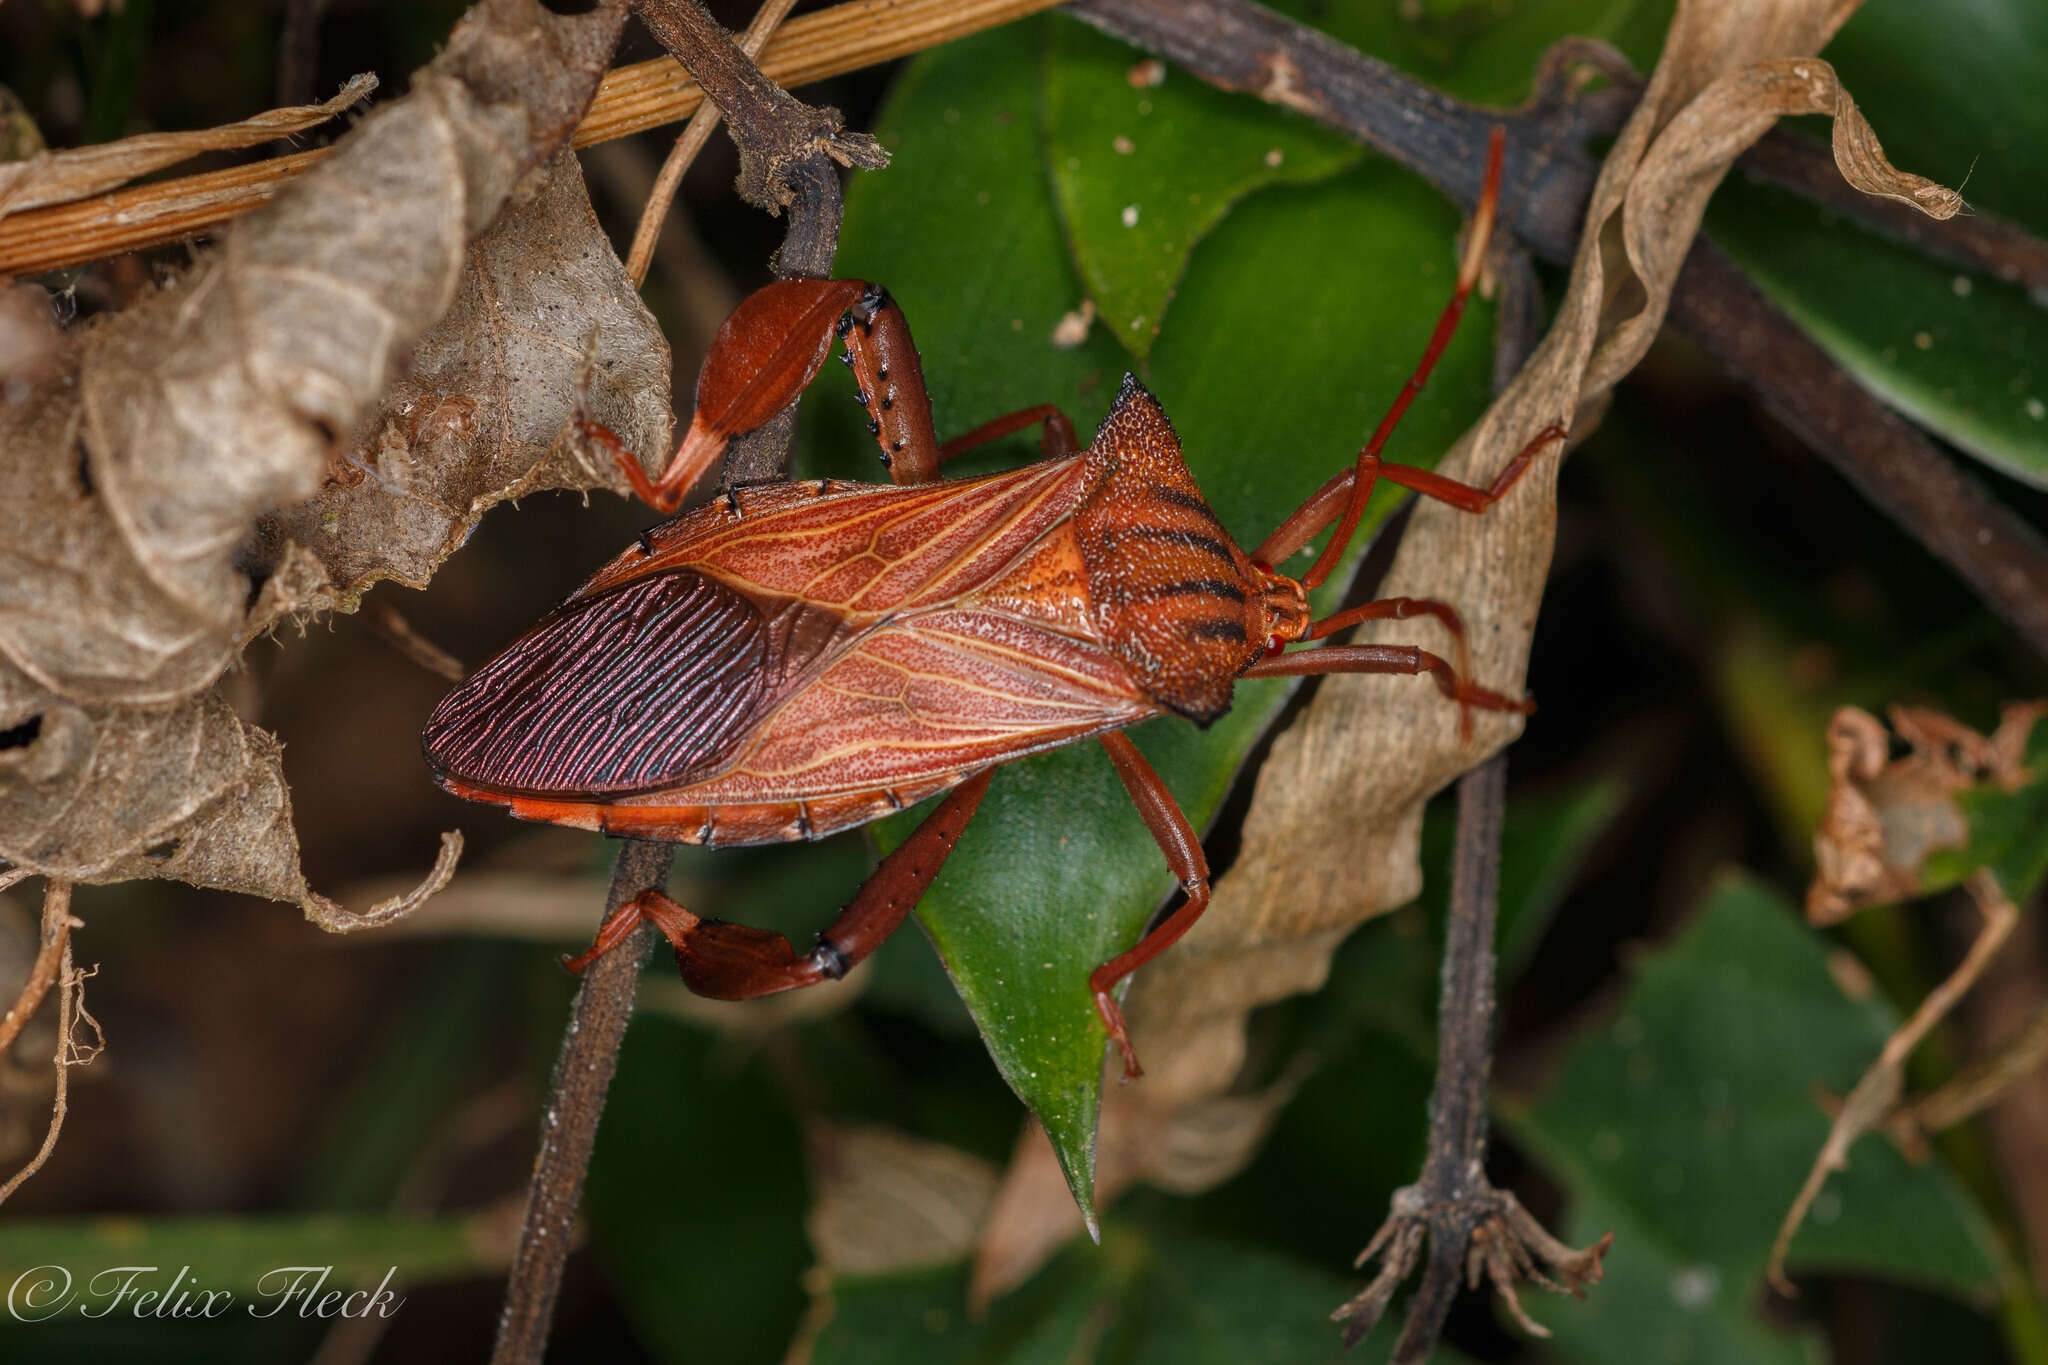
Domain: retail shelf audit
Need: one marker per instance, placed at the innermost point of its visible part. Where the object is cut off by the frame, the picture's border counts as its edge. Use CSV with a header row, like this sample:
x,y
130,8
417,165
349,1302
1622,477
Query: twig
x,y
1469,1227
771,127
56,935
1547,175
807,184
583,1073
631,99
702,125
57,925
1877,1093
1982,1084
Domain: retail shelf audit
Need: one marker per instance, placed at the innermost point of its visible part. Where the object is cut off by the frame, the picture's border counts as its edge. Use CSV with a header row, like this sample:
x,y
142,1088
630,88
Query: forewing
x,y
634,687
941,692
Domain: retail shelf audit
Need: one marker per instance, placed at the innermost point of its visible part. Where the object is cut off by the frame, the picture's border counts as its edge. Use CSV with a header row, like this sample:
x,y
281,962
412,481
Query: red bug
x,y
792,660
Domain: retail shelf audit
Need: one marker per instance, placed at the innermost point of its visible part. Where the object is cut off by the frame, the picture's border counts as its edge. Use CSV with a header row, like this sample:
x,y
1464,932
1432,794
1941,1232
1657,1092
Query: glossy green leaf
x,y
1952,91
1690,1121
1147,1297
1960,353
1271,388
1142,172
696,1153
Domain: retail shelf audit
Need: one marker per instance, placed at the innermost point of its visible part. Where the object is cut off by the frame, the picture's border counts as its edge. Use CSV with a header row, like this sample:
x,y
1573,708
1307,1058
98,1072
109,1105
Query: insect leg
x,y
735,962
764,355
1183,852
1057,440
1400,609
885,365
1328,502
1469,695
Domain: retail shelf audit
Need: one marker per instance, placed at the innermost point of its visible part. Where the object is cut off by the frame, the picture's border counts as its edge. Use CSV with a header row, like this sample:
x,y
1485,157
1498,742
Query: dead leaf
x,y
54,177
192,792
475,420
1884,816
133,574
1331,836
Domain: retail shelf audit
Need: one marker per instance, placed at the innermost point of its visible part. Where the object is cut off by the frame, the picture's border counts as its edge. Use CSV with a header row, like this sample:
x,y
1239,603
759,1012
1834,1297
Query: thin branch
x,y
583,1073
1547,176
695,134
772,128
805,181
56,934
57,925
631,99
1887,458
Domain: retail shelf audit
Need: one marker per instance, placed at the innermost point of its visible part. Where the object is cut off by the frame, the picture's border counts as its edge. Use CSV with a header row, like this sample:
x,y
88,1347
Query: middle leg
x,y
1183,850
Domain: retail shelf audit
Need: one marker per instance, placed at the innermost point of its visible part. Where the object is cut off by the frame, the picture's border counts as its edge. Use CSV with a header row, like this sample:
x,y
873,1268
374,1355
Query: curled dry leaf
x,y
54,177
192,792
1331,836
476,419
132,573
1885,816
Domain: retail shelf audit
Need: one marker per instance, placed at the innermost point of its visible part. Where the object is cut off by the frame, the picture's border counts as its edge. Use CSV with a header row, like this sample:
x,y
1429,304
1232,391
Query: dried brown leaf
x,y
54,177
133,573
1331,836
1884,816
476,418
192,792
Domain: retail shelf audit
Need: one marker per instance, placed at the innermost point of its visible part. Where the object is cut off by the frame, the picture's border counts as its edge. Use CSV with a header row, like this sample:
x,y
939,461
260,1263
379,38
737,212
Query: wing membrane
x,y
635,687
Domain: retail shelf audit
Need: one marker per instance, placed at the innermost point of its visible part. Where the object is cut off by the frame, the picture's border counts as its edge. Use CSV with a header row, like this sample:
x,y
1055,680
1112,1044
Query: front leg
x,y
734,962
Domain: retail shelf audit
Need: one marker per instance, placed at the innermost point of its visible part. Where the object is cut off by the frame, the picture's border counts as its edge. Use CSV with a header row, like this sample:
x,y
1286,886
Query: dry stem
x,y
632,99
57,927
702,125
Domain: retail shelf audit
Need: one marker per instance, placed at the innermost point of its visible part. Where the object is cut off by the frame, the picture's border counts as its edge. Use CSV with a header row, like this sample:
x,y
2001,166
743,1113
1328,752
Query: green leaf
x,y
1958,352
1659,1303
1689,1121
1141,172
1271,388
695,1154
1161,1297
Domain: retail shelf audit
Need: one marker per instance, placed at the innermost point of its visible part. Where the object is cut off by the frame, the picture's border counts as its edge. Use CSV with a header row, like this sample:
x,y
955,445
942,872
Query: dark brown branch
x,y
1242,46
1546,178
775,131
804,168
583,1073
1888,459
1452,1208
